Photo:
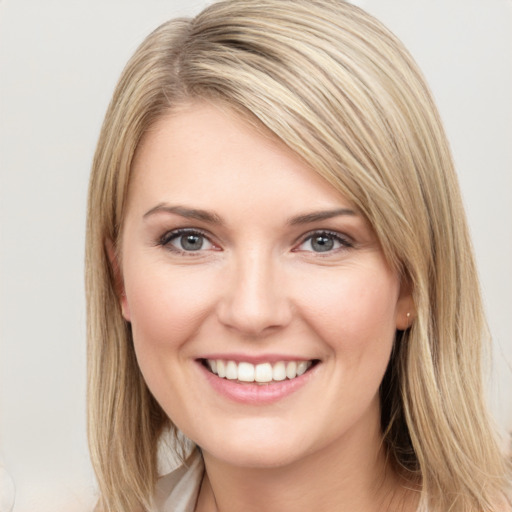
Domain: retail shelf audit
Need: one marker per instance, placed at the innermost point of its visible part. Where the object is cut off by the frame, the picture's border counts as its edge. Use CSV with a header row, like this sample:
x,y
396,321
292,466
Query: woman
x,y
279,269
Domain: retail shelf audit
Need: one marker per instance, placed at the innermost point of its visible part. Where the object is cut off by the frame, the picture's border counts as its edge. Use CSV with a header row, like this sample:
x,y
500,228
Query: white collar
x,y
177,490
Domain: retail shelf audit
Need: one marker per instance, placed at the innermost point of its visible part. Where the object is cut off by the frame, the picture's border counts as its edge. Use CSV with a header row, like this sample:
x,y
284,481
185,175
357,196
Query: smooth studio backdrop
x,y
59,61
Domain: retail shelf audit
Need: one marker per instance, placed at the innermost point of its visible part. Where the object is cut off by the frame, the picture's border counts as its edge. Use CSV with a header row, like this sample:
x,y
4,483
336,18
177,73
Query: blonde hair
x,y
342,92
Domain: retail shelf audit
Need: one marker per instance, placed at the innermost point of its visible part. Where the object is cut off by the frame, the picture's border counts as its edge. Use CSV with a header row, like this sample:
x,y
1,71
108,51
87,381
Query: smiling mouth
x,y
262,373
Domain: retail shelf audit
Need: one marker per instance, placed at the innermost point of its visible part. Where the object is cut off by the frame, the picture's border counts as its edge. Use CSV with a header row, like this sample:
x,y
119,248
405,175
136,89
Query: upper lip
x,y
255,359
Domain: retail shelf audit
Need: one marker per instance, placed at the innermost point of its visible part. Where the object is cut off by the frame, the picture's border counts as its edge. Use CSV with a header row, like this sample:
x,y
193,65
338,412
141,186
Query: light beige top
x,y
177,490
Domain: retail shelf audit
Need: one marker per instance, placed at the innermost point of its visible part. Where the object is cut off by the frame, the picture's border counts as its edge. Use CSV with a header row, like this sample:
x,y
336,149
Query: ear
x,y
118,279
405,308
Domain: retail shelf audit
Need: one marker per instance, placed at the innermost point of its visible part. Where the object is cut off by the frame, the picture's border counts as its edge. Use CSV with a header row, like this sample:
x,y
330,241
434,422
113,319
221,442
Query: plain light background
x,y
59,61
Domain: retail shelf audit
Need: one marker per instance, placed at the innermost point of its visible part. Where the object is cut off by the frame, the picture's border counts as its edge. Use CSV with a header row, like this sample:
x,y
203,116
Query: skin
x,y
259,287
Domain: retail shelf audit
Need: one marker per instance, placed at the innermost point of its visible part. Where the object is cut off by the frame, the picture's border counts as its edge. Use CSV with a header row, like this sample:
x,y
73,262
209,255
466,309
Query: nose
x,y
254,300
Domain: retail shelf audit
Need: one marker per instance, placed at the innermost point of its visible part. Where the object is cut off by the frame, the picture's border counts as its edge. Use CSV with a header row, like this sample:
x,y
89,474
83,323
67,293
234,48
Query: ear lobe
x,y
118,279
405,308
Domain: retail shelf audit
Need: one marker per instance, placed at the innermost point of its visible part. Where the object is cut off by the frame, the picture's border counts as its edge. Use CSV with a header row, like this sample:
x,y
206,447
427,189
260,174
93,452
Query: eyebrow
x,y
320,215
188,213
213,218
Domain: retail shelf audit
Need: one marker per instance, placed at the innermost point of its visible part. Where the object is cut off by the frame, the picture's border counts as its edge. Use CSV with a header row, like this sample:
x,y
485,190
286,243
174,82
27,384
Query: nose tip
x,y
255,301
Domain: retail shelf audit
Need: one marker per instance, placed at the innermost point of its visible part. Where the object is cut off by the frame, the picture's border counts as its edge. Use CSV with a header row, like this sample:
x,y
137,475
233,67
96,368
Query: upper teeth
x,y
263,372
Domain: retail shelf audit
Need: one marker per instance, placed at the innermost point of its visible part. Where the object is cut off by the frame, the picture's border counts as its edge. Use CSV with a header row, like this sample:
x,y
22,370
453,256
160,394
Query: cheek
x,y
355,312
166,308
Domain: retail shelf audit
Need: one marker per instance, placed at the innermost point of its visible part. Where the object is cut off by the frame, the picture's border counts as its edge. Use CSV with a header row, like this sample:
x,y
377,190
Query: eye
x,y
324,241
186,240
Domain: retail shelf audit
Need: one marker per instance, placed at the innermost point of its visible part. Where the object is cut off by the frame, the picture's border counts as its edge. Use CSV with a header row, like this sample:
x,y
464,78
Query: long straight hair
x,y
340,91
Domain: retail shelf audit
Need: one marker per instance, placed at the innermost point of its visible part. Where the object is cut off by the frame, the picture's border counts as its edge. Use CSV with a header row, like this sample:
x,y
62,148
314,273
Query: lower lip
x,y
256,394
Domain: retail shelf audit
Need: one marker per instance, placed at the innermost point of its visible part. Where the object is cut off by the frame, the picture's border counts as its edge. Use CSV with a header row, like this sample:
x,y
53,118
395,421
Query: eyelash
x,y
168,237
345,242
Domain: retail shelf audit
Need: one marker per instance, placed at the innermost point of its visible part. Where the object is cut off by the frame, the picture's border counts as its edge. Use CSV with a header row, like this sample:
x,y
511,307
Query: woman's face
x,y
263,312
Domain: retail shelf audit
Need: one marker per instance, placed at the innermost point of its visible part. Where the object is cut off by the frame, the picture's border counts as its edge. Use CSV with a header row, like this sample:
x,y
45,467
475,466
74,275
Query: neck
x,y
349,474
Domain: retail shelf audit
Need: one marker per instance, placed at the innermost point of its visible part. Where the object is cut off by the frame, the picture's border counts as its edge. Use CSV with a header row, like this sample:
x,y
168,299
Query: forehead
x,y
210,152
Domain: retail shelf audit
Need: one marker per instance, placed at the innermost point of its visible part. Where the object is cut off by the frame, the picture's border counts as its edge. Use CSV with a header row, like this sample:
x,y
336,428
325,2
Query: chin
x,y
262,446
255,456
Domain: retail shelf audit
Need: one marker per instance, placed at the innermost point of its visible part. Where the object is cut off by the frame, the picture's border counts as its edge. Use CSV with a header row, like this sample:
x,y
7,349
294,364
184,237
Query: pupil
x,y
322,243
191,242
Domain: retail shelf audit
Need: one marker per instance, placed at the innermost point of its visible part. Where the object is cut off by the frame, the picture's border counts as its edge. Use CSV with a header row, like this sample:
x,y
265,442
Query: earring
x,y
408,315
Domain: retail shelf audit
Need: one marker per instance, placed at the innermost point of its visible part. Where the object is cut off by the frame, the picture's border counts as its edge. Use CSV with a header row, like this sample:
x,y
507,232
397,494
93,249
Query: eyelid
x,y
343,239
172,234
